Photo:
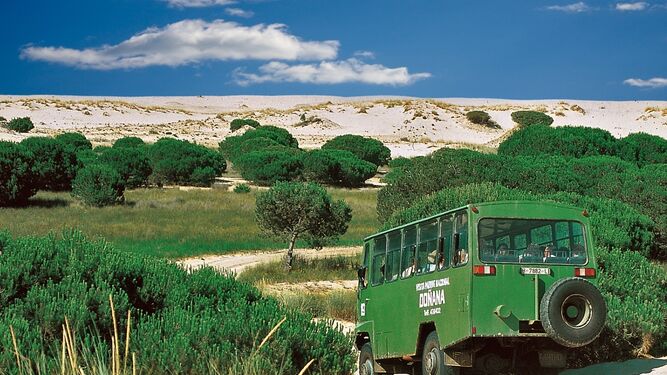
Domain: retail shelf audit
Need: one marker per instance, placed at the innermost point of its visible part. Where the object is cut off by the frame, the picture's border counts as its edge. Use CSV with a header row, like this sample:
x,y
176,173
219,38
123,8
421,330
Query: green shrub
x,y
242,188
481,118
238,123
128,142
74,141
643,149
336,167
183,322
98,185
231,147
530,118
17,180
565,141
132,165
369,149
181,162
20,124
54,165
269,166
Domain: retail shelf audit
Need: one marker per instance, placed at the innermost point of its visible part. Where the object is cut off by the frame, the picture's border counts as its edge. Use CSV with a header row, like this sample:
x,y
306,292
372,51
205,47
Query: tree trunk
x,y
290,253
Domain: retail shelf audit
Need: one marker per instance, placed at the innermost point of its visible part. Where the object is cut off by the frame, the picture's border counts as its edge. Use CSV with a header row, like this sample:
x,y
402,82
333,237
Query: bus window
x,y
393,256
460,256
534,241
428,247
447,230
379,253
408,263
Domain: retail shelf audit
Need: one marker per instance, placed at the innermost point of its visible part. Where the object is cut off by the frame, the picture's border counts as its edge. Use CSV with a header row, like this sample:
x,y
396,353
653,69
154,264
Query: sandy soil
x,y
409,126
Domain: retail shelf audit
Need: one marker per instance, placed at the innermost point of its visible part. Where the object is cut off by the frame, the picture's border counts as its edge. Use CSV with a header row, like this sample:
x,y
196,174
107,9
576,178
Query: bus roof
x,y
515,202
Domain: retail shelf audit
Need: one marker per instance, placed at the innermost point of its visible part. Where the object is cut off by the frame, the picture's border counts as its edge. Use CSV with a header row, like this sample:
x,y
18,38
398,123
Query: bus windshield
x,y
531,241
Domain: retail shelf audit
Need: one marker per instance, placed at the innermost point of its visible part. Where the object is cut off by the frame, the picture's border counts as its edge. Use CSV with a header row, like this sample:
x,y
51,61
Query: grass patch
x,y
321,269
173,223
339,305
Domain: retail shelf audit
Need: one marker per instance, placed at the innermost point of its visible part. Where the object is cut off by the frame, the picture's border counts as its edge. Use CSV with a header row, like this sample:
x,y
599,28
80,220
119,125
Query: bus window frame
x,y
456,233
365,266
419,242
386,242
442,241
386,257
413,249
584,235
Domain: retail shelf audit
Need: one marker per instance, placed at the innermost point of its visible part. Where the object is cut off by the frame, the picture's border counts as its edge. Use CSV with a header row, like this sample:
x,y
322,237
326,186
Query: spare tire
x,y
573,312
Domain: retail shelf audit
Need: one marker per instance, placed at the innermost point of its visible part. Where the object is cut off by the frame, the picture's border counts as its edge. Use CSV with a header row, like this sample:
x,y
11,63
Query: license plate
x,y
535,271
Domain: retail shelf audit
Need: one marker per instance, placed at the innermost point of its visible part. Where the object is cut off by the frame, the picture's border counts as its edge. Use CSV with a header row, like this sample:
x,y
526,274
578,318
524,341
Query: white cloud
x,y
641,5
571,8
653,83
364,54
330,72
197,3
237,12
190,41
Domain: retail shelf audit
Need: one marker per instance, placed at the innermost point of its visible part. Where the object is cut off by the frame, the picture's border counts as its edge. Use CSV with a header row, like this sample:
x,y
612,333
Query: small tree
x,y
21,125
290,210
369,149
98,185
74,141
128,142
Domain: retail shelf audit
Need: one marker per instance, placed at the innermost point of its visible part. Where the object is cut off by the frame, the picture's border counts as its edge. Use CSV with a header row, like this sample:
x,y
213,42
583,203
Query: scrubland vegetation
x,y
620,182
165,319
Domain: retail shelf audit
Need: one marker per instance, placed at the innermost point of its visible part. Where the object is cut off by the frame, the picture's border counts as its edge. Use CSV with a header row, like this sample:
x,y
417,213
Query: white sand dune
x,y
410,126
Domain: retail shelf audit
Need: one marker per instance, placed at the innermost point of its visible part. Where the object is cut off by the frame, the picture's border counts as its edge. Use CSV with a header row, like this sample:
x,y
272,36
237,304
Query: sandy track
x,y
238,262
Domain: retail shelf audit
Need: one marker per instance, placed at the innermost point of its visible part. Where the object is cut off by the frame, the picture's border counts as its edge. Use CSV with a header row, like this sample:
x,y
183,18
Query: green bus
x,y
488,287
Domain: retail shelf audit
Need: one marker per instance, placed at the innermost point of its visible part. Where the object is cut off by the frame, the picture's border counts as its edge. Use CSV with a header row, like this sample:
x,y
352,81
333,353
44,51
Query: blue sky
x,y
438,48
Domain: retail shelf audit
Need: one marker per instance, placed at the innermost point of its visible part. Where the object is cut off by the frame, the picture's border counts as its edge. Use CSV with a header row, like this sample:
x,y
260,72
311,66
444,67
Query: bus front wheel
x,y
366,362
433,359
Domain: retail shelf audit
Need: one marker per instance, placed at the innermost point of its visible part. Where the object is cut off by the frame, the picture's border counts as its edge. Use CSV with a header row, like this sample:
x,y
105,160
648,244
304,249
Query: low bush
x,y
242,188
183,322
270,166
304,269
530,118
181,162
98,185
54,165
236,146
336,167
132,165
481,118
128,142
20,124
238,123
642,149
565,141
74,141
368,149
17,179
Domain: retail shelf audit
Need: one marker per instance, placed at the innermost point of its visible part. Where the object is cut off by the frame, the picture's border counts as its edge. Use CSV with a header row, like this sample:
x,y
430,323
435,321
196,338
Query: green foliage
x,y
194,322
238,123
17,180
369,149
20,124
530,118
481,118
341,305
54,165
642,149
236,146
98,185
242,188
336,167
305,269
128,142
292,209
181,162
565,141
74,141
132,165
614,224
269,166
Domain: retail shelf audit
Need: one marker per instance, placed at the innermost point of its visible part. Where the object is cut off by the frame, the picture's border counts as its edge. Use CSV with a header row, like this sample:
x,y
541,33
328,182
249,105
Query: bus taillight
x,y
484,270
584,272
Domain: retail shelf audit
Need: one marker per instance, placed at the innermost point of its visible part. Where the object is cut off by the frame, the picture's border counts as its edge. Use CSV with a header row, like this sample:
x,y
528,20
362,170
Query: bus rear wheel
x,y
366,362
433,359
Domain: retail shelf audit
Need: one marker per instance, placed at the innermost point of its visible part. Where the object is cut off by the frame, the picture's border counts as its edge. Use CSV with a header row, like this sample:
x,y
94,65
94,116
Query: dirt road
x,y
238,262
